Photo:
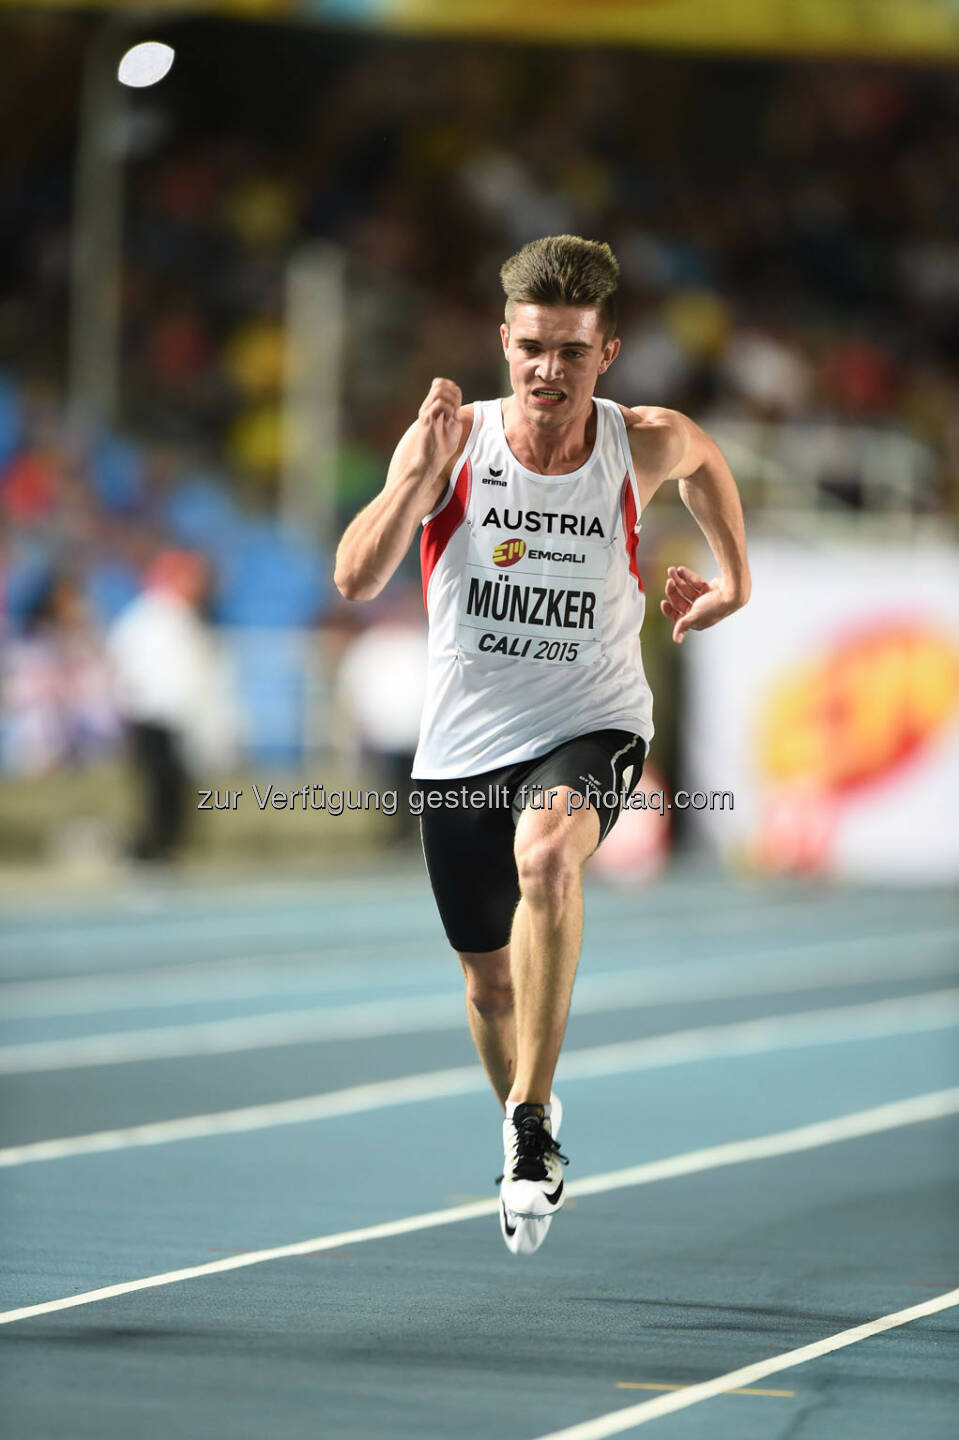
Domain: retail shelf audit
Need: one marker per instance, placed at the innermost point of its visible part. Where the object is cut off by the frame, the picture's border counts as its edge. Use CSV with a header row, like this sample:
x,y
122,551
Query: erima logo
x,y
507,552
488,480
549,520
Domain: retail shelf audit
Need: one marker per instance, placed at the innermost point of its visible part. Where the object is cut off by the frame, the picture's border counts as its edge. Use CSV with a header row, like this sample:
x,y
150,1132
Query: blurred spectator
x,y
770,375
651,363
28,487
58,706
171,694
858,377
381,687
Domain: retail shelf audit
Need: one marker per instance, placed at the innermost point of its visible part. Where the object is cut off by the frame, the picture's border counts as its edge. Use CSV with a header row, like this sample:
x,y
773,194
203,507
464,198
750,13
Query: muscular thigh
x,y
469,847
469,857
593,772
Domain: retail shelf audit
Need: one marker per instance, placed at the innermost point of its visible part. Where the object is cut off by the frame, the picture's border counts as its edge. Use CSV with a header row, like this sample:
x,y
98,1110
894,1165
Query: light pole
x,y
315,325
96,256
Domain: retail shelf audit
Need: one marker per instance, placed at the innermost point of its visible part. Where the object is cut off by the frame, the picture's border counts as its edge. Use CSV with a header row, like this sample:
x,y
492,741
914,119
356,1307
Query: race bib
x,y
541,602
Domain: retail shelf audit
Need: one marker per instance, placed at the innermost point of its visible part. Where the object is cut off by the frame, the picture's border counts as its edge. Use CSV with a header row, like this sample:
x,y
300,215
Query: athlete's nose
x,y
550,367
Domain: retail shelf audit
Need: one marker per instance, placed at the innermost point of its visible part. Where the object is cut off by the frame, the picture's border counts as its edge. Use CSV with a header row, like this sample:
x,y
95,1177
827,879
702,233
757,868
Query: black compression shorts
x,y
467,827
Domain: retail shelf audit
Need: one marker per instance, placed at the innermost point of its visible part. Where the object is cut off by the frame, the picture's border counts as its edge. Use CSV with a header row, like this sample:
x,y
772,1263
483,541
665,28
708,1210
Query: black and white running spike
x,y
521,1235
532,1188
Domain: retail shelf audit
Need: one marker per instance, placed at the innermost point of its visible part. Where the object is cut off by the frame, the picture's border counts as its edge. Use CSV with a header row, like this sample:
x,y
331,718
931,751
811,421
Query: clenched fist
x,y
437,431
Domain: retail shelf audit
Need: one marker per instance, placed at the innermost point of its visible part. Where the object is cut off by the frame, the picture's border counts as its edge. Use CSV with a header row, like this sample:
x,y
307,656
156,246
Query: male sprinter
x,y
537,704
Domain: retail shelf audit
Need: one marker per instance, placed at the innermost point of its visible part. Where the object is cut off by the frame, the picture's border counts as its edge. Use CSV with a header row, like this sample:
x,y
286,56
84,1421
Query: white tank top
x,y
535,603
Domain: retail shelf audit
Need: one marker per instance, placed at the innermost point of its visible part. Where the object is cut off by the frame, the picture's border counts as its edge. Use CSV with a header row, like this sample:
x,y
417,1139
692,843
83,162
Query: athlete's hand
x,y
694,603
438,426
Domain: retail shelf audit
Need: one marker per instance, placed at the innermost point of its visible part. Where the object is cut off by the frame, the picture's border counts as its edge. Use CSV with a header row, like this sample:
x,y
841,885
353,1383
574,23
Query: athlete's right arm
x,y
376,541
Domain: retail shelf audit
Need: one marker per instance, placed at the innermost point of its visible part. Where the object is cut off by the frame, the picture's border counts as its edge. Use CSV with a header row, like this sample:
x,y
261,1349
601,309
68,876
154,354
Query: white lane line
x,y
407,1016
839,1025
402,909
377,1095
70,940
72,929
862,959
199,982
634,1415
220,1037
153,937
933,1106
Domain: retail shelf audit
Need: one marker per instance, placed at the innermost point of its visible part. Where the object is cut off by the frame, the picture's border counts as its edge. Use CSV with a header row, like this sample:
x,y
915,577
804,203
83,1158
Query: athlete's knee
x,y
489,988
490,999
549,869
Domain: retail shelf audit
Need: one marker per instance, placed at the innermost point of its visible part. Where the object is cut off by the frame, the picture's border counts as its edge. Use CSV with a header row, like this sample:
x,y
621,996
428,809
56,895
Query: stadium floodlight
x,y
145,64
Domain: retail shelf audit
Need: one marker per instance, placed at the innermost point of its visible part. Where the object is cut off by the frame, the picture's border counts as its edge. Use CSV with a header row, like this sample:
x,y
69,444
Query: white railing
x,y
802,466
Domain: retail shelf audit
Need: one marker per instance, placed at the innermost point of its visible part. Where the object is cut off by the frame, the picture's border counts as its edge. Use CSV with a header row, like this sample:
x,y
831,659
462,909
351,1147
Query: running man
x,y
538,712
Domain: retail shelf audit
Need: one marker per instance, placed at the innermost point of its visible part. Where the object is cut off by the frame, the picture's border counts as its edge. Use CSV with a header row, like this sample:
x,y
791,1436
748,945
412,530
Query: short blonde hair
x,y
564,270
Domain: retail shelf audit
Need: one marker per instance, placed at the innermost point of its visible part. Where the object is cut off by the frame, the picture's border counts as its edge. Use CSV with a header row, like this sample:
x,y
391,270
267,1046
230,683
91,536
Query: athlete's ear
x,y
504,336
610,351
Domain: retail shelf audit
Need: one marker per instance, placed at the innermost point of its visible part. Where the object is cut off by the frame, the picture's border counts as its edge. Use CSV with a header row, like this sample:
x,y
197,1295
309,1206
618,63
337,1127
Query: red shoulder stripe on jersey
x,y
438,531
627,501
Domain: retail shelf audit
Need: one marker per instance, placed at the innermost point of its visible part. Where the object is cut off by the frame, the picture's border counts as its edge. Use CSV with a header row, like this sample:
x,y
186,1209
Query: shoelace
x,y
533,1144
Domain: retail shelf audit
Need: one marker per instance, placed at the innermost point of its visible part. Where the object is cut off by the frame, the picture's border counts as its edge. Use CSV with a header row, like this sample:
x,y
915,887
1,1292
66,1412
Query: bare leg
x,y
551,850
489,1010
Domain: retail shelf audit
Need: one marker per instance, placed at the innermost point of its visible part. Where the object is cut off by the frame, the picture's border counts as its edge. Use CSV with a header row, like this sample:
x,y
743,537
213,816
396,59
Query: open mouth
x,y
549,397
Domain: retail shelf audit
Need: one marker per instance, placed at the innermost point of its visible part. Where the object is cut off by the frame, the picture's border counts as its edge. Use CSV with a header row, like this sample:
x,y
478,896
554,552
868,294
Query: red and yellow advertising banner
x,y
891,29
830,707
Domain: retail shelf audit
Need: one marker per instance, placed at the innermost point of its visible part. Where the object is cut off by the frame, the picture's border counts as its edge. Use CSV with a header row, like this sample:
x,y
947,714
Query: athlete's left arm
x,y
666,445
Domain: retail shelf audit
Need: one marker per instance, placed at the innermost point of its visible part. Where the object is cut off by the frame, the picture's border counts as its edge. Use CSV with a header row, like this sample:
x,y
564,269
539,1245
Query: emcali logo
x,y
507,552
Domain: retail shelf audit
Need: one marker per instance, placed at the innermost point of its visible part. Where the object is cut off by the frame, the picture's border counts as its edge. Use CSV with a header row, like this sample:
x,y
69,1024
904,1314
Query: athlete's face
x,y
555,354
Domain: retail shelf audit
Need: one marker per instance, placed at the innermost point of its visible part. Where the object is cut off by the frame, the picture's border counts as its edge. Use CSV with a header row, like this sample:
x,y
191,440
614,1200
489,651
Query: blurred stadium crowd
x,y
789,242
